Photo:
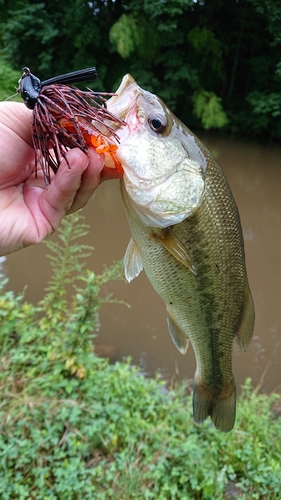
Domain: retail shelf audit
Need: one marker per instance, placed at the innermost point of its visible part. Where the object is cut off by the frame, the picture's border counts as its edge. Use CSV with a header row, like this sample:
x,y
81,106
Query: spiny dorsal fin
x,y
176,248
179,337
132,261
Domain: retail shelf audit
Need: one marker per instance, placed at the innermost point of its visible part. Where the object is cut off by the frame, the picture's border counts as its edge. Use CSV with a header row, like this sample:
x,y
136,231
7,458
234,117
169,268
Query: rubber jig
x,y
65,117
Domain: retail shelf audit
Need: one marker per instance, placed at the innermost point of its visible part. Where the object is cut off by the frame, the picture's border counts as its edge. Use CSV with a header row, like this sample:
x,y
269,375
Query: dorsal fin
x,y
132,261
178,336
176,248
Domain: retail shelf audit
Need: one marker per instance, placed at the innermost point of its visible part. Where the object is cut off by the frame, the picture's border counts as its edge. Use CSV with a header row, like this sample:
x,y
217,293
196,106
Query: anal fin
x,y
178,336
132,261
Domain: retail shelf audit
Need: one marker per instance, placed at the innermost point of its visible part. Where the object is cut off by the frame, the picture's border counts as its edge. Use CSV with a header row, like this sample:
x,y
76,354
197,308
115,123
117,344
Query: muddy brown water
x,y
254,174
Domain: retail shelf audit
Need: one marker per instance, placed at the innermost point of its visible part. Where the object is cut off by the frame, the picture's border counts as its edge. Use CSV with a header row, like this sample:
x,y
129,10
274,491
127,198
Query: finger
x,y
108,173
17,117
15,142
59,196
89,181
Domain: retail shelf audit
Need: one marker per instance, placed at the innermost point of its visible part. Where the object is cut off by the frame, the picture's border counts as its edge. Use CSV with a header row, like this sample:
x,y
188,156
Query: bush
x,y
75,427
8,81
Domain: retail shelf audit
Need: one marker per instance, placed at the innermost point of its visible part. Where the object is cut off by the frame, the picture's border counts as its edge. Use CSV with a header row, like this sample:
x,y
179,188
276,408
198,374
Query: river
x,y
254,174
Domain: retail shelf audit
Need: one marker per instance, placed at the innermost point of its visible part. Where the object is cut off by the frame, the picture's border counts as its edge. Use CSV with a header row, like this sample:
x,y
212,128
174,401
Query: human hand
x,y
30,211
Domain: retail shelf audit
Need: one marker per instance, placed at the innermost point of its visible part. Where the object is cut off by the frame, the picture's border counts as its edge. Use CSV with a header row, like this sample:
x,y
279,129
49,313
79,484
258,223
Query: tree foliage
x,y
8,80
222,54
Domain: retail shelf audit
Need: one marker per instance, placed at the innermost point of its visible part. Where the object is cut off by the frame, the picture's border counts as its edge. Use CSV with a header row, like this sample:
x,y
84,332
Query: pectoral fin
x,y
179,337
132,261
246,328
176,248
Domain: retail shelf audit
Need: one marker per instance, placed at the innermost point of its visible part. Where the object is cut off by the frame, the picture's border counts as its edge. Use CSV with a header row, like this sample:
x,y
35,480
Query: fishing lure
x,y
65,117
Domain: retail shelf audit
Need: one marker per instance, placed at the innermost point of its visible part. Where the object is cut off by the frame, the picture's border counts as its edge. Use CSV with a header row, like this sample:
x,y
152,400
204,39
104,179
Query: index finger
x,y
15,142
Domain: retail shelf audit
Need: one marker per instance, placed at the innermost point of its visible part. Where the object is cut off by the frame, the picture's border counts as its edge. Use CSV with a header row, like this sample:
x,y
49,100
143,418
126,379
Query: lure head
x,y
29,87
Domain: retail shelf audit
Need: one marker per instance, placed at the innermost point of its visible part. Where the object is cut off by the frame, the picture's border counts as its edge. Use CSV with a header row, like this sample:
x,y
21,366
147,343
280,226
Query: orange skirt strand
x,y
99,142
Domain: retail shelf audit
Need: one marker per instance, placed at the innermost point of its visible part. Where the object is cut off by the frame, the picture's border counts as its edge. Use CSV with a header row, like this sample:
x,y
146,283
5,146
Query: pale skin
x,y
30,211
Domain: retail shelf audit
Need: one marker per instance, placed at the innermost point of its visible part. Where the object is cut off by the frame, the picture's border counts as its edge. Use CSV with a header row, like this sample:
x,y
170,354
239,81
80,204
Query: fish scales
x,y
208,299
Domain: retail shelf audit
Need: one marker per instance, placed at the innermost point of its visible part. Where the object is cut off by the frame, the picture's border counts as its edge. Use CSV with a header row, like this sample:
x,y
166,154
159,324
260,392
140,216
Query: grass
x,y
74,427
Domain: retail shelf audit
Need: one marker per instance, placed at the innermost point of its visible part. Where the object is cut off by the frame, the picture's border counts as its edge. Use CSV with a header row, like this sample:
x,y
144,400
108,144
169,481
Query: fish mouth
x,y
126,95
127,107
120,105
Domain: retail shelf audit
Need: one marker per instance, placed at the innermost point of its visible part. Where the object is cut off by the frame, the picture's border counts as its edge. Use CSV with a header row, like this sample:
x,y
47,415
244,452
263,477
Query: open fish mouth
x,y
123,101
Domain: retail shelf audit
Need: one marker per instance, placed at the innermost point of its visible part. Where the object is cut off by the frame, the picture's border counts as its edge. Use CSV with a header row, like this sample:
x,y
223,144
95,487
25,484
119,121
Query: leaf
x,y
207,107
124,35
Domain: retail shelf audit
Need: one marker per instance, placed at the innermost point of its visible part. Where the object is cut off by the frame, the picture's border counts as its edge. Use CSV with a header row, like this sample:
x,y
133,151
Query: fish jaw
x,y
165,185
124,98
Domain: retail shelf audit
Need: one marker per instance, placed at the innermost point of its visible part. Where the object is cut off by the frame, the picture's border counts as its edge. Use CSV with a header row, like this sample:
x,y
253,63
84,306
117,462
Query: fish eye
x,y
157,122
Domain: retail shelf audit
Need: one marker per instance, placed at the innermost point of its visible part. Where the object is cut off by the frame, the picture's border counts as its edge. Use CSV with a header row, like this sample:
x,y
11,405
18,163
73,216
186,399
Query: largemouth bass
x,y
186,235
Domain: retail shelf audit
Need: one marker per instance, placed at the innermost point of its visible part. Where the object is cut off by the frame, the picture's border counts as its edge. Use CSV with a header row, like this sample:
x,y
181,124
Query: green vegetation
x,y
220,54
74,427
8,81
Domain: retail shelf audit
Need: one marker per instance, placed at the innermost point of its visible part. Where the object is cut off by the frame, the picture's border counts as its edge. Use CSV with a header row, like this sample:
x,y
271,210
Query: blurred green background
x,y
216,63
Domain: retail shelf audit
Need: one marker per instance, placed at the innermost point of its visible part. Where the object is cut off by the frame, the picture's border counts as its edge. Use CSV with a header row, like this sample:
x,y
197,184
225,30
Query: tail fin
x,y
220,405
